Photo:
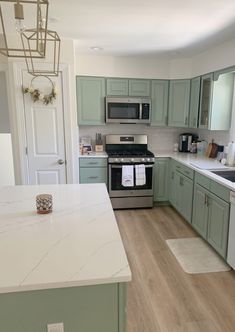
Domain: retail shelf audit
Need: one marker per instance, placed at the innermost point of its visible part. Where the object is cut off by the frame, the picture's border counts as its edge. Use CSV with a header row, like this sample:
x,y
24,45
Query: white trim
x,y
18,123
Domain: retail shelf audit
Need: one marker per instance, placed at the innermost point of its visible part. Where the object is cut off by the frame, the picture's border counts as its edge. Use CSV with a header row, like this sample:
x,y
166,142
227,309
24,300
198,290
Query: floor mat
x,y
196,256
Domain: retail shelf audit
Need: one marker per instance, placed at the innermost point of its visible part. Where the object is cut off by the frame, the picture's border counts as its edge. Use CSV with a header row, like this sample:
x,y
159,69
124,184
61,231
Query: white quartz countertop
x,y
94,155
192,159
77,244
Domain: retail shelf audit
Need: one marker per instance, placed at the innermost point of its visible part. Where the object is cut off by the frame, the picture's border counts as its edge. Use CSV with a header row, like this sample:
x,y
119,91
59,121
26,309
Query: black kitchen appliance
x,y
185,142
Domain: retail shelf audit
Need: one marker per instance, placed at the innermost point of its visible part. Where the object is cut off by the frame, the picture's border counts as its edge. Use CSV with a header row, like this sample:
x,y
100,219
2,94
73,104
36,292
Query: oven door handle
x,y
120,166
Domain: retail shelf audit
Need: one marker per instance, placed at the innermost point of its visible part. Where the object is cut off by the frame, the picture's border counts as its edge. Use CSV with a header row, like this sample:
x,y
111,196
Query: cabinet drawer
x,y
202,180
184,170
220,191
93,162
93,175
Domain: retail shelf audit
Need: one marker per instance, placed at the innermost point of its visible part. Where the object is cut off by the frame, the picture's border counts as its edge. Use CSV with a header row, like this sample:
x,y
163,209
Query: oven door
x,y
116,189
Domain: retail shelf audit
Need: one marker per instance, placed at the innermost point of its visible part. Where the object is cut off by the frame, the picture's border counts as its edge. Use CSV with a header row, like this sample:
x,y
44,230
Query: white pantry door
x,y
44,125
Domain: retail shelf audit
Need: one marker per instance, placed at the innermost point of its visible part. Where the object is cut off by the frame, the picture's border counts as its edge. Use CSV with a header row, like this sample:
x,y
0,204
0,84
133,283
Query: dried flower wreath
x,y
37,95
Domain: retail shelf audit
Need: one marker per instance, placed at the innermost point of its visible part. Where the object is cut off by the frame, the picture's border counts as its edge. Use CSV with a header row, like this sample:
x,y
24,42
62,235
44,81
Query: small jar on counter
x,y
193,148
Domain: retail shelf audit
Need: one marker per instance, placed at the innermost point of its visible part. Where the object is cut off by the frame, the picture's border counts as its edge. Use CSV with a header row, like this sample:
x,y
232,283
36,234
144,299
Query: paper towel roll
x,y
231,154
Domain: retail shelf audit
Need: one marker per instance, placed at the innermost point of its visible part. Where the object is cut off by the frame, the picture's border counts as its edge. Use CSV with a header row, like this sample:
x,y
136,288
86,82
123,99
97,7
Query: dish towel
x,y
140,178
127,175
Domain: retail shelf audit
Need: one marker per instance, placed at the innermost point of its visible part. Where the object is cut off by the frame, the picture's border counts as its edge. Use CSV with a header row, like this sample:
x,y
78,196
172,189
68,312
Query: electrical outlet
x,y
57,327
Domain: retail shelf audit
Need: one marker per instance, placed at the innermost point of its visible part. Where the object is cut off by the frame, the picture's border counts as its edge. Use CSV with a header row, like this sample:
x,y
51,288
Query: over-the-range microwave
x,y
128,110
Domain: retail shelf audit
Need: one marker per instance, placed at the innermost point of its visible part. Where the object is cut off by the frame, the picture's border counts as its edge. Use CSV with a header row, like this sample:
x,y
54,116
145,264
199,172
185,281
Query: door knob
x,y
60,161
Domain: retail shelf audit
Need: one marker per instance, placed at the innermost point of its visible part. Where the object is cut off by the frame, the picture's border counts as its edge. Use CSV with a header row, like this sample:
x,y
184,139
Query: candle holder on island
x,y
44,203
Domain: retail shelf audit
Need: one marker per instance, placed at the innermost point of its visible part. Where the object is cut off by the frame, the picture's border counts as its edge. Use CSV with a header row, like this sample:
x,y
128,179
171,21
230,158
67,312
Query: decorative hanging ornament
x,y
37,95
19,15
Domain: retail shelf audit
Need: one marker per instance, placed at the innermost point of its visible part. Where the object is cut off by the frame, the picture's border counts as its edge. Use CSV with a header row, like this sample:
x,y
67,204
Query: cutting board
x,y
208,164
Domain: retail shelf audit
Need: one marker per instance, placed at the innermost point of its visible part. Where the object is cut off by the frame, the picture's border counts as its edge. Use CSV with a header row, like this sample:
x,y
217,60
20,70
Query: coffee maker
x,y
185,142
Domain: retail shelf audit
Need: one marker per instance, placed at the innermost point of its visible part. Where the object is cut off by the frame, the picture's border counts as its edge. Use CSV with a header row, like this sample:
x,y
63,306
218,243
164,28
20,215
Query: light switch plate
x,y
57,327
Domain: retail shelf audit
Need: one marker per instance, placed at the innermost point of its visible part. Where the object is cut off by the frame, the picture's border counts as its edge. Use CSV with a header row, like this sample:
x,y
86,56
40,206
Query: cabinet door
x,y
205,100
117,87
186,197
218,222
139,88
194,102
172,184
200,210
93,175
161,180
179,103
159,102
90,100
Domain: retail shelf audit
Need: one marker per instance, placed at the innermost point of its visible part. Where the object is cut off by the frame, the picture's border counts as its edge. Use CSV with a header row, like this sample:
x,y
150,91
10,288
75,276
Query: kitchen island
x,y
68,266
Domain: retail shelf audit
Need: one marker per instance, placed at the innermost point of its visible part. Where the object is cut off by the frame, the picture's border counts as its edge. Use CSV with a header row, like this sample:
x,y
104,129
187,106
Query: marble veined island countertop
x,y
77,244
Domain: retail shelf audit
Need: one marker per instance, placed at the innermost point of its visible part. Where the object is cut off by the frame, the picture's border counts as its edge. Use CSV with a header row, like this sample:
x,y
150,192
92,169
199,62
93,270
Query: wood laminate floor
x,y
161,296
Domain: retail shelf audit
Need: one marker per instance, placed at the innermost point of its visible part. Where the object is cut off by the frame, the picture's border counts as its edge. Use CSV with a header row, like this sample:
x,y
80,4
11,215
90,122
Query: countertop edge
x,y
181,159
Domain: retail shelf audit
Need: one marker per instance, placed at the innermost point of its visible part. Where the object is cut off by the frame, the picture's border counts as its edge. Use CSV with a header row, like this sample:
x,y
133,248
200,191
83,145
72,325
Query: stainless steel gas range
x,y
130,168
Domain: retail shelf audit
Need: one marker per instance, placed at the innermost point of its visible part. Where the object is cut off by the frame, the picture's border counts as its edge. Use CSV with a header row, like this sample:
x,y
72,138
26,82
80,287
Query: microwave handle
x,y
140,116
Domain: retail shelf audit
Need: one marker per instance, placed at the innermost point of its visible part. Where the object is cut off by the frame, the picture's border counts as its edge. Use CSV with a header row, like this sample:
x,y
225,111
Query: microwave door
x,y
123,112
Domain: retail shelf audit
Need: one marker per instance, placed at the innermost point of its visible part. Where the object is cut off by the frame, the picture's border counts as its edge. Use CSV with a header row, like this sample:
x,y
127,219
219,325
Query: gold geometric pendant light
x,y
20,15
52,45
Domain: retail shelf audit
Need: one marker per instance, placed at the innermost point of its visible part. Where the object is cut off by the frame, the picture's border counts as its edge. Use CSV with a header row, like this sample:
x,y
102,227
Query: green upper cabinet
x,y
127,87
205,100
139,88
179,103
216,101
90,100
117,87
159,100
161,179
194,102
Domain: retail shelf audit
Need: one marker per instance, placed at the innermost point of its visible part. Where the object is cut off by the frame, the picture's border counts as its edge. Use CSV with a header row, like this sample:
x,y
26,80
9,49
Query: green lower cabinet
x,y
211,218
200,210
180,191
93,175
186,197
161,180
172,183
218,222
99,308
93,170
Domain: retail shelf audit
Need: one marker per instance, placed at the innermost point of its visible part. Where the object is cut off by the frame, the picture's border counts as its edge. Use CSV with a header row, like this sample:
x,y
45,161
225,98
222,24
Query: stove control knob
x,y
148,159
132,159
122,159
143,159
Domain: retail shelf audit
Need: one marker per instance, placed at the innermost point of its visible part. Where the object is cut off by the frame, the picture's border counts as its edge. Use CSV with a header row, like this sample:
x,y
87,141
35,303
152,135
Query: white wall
x,y
159,139
218,57
137,67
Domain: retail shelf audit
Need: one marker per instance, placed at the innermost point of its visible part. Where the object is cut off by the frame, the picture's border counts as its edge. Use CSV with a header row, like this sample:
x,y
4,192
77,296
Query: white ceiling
x,y
144,27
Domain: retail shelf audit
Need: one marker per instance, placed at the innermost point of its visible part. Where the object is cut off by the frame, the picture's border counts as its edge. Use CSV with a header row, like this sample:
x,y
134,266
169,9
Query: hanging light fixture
x,y
49,68
10,43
